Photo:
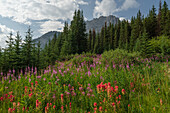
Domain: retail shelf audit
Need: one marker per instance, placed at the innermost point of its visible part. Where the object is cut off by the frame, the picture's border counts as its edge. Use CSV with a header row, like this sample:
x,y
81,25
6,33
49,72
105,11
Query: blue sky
x,y
49,15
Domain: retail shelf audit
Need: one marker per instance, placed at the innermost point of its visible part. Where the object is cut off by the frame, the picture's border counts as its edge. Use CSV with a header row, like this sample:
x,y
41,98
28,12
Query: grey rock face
x,y
45,38
98,23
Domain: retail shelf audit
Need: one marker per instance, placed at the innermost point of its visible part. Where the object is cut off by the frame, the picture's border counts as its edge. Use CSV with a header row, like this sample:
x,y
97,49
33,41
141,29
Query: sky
x,y
49,15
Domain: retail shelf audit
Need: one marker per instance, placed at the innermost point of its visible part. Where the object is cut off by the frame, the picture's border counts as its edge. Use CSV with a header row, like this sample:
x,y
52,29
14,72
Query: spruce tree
x,y
90,41
17,52
159,19
164,17
10,50
93,39
27,49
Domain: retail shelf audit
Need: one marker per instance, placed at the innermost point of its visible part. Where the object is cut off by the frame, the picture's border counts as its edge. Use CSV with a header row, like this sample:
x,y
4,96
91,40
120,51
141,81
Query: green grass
x,y
84,81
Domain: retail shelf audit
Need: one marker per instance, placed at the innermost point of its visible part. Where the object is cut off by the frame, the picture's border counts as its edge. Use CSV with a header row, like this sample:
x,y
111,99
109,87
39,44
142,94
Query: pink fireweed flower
x,y
29,80
83,93
88,94
80,88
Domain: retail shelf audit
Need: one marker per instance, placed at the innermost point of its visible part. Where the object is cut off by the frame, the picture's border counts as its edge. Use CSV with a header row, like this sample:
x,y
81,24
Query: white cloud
x,y
104,8
123,18
4,32
109,7
129,4
23,11
51,26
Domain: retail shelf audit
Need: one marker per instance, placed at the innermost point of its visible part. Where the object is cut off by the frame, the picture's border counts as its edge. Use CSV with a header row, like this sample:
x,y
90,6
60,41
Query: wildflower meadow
x,y
90,84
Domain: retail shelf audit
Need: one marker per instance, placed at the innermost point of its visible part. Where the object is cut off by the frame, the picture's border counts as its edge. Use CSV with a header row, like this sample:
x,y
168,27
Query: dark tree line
x,y
136,35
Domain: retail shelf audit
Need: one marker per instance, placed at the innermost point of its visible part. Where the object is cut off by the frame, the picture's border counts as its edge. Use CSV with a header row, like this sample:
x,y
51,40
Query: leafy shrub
x,y
119,55
160,45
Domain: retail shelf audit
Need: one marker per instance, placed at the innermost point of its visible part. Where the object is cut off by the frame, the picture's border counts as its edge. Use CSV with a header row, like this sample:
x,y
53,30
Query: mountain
x,y
45,38
98,23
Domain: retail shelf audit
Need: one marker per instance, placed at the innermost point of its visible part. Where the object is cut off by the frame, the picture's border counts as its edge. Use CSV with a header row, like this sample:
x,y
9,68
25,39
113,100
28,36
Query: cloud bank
x,y
23,11
109,7
4,31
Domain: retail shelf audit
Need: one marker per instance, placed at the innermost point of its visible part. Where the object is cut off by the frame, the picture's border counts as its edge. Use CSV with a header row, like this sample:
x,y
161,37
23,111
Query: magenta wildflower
x,y
29,80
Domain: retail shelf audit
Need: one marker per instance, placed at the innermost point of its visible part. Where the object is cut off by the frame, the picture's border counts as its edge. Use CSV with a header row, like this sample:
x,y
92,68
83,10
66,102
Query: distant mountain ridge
x,y
45,38
96,23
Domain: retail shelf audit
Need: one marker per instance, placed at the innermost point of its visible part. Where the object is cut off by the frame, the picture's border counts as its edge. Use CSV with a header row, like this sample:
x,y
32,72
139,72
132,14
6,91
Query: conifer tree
x,y
117,35
159,19
151,23
10,51
93,39
127,35
27,48
122,35
39,60
136,30
90,41
111,44
164,17
17,53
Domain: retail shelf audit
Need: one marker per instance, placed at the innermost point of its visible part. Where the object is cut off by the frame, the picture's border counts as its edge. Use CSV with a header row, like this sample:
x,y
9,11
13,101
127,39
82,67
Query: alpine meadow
x,y
123,68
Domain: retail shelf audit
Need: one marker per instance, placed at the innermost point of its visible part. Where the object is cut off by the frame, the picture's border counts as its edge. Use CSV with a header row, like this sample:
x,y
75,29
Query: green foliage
x,y
160,45
119,55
